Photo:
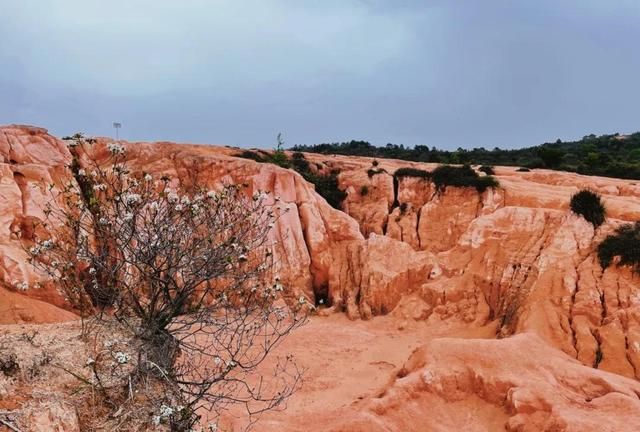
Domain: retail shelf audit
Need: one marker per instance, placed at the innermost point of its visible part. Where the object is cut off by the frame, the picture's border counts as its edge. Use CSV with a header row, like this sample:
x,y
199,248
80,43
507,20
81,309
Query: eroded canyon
x,y
441,310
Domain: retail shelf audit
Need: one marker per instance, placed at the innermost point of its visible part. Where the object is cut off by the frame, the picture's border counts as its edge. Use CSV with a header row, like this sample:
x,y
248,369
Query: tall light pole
x,y
117,126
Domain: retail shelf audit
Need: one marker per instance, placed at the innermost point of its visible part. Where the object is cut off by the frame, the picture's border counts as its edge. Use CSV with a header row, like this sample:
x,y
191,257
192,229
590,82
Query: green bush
x,y
412,172
625,243
551,156
299,163
374,163
487,169
461,176
326,185
523,169
589,205
364,191
249,154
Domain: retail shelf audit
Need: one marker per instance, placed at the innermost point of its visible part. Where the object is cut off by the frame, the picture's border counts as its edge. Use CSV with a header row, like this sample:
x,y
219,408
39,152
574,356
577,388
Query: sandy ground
x,y
347,361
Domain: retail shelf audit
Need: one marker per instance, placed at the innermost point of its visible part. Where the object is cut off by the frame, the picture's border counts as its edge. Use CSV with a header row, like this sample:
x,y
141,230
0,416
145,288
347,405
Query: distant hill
x,y
606,155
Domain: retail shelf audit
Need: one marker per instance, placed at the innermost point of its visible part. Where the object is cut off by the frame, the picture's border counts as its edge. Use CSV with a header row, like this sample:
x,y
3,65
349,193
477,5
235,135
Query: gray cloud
x,y
464,73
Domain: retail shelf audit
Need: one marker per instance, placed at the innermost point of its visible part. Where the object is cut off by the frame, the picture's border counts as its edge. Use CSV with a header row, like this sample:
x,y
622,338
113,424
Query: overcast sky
x,y
470,73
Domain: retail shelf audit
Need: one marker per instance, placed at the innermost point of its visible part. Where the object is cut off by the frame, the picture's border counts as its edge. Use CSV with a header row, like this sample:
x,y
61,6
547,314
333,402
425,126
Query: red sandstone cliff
x,y
513,260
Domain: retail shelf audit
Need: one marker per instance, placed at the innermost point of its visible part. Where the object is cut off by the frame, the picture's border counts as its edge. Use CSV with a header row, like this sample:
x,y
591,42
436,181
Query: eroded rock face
x,y
514,259
516,254
311,238
529,387
370,277
30,161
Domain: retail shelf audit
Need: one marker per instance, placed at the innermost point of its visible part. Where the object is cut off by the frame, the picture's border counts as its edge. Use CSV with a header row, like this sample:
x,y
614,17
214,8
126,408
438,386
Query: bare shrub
x,y
186,275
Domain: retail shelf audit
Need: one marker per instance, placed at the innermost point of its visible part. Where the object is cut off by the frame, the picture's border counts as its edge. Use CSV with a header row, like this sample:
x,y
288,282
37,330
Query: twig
x,y
160,369
9,425
79,377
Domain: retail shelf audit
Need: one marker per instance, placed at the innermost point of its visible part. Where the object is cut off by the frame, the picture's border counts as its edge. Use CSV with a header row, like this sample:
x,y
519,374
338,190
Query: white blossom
x,y
22,286
132,198
115,148
259,196
82,172
165,411
178,207
103,221
122,357
211,194
172,197
302,300
242,257
100,187
148,177
127,216
92,270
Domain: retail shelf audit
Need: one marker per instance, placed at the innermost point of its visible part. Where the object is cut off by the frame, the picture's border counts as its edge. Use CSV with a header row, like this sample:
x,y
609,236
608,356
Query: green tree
x,y
551,157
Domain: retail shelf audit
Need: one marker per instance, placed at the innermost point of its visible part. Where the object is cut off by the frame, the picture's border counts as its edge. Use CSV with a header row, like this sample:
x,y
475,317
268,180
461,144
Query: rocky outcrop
x,y
516,254
370,277
30,161
529,387
311,239
512,263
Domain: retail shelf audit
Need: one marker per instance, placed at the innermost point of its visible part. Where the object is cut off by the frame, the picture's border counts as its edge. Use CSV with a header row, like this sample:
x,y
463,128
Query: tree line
x,y
605,155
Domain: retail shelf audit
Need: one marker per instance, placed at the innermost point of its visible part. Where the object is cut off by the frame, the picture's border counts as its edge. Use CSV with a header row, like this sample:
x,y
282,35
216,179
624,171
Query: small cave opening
x,y
322,296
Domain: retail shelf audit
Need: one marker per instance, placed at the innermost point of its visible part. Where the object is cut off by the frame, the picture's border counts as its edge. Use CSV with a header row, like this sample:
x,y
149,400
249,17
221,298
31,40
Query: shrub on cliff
x,y
412,172
461,176
589,205
326,184
487,169
185,273
253,155
624,243
371,171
